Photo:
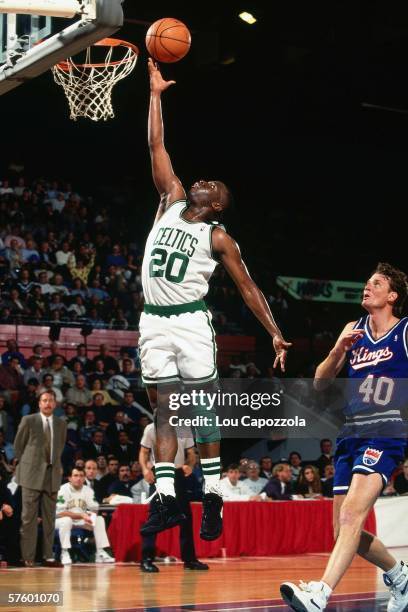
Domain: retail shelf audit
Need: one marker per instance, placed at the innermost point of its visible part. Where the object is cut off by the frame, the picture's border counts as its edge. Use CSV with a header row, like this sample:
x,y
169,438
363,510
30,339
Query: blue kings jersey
x,y
377,386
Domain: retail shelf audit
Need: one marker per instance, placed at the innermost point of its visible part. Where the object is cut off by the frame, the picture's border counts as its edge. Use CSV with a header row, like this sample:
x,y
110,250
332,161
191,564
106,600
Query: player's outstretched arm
x,y
331,366
167,183
230,256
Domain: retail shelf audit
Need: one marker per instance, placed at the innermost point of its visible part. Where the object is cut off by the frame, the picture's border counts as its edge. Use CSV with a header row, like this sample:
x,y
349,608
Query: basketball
x,y
168,40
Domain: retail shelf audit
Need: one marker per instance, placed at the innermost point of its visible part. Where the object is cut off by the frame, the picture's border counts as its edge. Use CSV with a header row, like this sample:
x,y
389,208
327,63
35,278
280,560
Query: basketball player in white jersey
x,y
177,342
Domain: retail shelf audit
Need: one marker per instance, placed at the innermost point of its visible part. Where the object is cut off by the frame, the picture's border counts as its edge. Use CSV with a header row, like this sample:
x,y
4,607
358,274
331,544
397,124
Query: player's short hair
x,y
323,441
398,282
47,392
295,453
279,467
78,469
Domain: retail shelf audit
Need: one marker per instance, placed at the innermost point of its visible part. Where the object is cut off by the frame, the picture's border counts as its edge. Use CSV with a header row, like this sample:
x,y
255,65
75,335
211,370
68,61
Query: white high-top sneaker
x,y
103,557
399,591
65,557
307,597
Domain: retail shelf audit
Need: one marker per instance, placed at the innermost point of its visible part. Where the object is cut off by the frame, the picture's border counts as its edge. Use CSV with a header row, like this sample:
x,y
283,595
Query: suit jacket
x,y
89,450
328,487
321,463
97,488
121,488
29,445
125,456
112,432
273,489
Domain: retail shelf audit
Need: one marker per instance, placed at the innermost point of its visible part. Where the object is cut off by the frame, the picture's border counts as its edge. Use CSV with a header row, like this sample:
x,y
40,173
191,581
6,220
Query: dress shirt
x,y
44,422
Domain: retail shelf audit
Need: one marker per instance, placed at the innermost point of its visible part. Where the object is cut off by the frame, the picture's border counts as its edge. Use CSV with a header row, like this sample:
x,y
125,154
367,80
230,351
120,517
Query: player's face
x,y
113,467
124,473
377,293
309,475
326,448
295,460
77,479
203,186
253,472
47,404
286,474
208,191
233,476
90,470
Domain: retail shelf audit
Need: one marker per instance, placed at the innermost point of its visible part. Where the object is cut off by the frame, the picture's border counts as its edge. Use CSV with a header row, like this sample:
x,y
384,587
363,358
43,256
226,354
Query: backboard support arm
x,y
67,43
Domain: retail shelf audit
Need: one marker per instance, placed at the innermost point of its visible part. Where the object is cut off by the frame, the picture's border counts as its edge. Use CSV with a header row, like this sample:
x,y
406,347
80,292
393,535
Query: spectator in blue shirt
x,y
12,351
116,258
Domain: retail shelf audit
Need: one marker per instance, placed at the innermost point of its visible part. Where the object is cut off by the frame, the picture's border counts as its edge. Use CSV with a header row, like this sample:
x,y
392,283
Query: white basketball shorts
x,y
179,348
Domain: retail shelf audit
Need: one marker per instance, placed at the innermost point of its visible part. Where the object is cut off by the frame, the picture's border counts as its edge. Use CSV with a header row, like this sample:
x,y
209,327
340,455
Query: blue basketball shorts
x,y
365,456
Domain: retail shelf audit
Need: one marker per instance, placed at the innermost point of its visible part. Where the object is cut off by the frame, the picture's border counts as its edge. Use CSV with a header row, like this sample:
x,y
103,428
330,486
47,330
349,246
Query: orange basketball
x,y
168,40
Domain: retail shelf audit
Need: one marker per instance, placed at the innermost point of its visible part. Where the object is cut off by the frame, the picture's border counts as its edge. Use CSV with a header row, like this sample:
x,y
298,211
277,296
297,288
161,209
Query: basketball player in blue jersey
x,y
372,442
177,344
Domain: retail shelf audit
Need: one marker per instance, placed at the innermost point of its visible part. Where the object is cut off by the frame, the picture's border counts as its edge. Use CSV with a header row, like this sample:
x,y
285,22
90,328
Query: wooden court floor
x,y
250,583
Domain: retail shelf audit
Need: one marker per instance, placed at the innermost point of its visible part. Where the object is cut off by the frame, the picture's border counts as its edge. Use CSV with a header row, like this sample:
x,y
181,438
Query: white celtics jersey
x,y
178,262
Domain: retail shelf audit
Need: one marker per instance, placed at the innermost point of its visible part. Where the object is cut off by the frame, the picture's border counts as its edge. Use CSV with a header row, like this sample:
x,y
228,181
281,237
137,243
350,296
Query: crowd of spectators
x,y
59,260
101,399
72,260
288,479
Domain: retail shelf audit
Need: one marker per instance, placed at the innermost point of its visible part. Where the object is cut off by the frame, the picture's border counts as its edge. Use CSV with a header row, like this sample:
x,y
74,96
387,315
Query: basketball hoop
x,y
89,86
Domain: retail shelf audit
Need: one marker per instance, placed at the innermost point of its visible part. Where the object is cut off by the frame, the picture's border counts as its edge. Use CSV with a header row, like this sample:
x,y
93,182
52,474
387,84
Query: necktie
x,y
47,442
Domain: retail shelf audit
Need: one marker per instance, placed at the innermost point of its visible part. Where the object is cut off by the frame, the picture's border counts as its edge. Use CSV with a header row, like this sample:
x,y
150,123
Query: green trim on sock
x,y
210,471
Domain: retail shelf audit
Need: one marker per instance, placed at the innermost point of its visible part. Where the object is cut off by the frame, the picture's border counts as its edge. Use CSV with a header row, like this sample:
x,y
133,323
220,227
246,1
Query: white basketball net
x,y
89,87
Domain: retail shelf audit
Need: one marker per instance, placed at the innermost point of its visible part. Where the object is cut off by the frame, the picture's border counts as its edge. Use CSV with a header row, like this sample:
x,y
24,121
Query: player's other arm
x,y
167,183
144,456
331,366
229,254
190,461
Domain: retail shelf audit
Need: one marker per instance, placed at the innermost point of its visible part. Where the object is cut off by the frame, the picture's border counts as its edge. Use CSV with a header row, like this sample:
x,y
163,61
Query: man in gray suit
x,y
38,446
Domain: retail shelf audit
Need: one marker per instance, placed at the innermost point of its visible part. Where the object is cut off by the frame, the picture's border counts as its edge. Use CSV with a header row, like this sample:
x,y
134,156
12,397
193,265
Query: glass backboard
x,y
30,44
26,31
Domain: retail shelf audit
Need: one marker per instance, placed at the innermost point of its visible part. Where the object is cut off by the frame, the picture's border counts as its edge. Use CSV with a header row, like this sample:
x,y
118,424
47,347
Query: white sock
x,y
211,472
322,588
165,478
395,572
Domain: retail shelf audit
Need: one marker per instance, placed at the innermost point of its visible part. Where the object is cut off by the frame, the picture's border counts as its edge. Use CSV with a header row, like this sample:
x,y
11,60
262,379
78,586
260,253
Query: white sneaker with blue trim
x,y
307,597
399,591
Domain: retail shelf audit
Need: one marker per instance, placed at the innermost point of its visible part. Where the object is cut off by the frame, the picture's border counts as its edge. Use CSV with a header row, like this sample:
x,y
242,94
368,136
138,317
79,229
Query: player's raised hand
x,y
281,348
347,340
157,83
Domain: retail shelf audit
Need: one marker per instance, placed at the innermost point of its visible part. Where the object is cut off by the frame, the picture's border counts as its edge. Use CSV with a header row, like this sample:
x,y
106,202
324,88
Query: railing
x,y
68,337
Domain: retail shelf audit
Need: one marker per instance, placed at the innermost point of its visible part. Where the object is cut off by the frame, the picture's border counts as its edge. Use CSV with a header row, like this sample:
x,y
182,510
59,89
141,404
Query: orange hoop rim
x,y
105,42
